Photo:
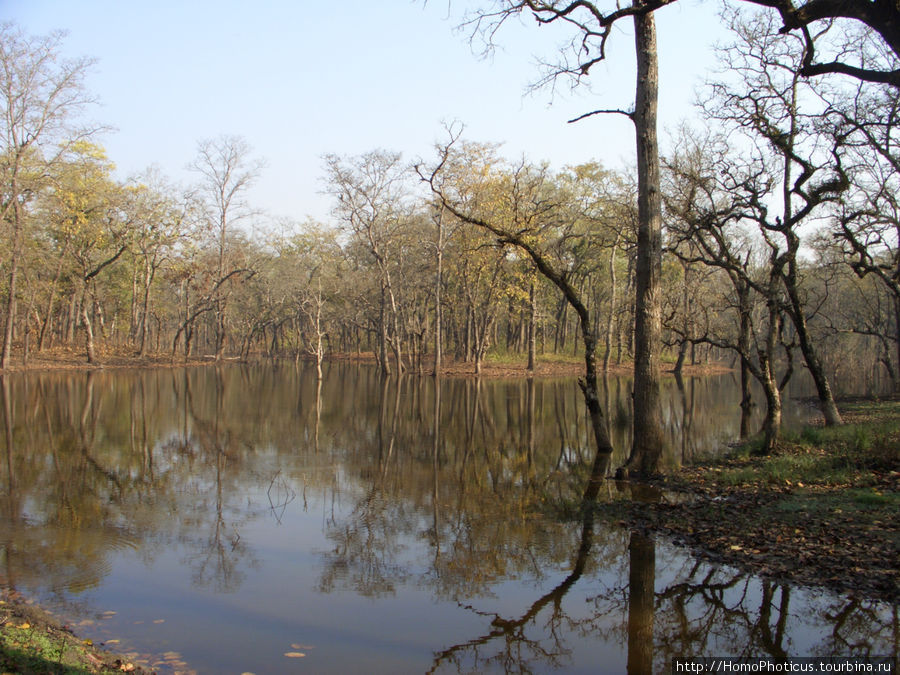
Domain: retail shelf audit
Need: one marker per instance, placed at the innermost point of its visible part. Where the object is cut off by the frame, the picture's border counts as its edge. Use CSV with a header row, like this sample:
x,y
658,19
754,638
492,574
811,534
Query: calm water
x,y
220,520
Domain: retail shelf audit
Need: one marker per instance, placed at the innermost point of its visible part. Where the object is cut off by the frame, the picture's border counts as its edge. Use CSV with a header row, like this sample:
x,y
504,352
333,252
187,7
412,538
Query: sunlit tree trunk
x,y
88,328
647,447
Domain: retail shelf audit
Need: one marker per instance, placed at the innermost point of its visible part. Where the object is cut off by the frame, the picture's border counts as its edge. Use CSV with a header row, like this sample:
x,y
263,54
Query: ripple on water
x,y
56,557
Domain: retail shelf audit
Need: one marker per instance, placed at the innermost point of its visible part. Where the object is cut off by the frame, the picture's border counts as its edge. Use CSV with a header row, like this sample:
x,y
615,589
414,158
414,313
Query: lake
x,y
251,519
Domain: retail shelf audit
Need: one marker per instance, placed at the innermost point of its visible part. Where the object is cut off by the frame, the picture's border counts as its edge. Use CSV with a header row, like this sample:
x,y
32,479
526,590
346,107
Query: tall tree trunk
x,y
772,423
145,309
15,254
559,340
532,329
646,450
382,335
88,329
610,319
744,349
813,364
438,310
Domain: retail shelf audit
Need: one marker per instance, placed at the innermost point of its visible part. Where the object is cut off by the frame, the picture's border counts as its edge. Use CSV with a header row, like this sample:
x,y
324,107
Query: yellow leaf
x,y
25,626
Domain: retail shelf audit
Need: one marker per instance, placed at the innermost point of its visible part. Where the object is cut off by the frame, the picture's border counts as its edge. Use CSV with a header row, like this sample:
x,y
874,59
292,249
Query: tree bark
x,y
646,450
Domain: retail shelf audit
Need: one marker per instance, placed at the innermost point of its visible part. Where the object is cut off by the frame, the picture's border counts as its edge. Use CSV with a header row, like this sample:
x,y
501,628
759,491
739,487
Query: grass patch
x,y
854,454
31,643
25,648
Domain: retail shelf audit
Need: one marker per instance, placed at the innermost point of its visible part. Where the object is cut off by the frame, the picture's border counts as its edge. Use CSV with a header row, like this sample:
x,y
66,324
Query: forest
x,y
778,241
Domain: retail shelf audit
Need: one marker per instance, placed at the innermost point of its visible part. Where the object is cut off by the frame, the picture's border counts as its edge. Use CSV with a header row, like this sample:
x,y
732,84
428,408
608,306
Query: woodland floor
x,y
824,510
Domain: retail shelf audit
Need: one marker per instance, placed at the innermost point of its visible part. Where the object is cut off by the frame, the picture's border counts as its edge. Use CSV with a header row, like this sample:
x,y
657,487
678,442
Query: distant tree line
x,y
779,243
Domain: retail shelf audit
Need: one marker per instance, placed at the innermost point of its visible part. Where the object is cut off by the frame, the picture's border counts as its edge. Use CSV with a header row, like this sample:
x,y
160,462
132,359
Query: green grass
x,y
32,646
848,455
28,650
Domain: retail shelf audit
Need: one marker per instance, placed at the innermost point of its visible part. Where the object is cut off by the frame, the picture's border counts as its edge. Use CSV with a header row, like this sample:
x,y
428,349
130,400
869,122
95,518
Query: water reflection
x,y
357,514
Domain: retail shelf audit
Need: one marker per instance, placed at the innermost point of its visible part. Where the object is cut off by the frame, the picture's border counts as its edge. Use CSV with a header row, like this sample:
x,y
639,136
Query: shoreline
x,y
32,640
821,512
65,360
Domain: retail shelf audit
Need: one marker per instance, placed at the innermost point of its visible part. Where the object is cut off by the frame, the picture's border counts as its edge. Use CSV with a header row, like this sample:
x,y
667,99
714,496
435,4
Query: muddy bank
x,y
822,511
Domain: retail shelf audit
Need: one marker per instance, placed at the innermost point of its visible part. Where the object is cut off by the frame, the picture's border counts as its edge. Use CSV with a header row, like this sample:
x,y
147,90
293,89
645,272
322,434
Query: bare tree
x,y
528,217
592,26
227,170
711,199
371,194
867,225
770,103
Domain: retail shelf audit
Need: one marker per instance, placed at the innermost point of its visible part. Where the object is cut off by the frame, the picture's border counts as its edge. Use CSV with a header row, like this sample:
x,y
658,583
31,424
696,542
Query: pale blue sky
x,y
300,79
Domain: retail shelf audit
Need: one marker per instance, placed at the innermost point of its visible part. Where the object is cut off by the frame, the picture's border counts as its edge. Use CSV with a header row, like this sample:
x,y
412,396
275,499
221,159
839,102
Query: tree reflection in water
x,y
217,559
446,488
